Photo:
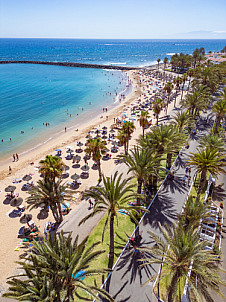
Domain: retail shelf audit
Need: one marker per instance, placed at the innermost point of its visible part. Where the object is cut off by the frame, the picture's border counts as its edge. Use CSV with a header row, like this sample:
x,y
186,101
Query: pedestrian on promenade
x,y
90,204
189,180
184,179
189,171
186,170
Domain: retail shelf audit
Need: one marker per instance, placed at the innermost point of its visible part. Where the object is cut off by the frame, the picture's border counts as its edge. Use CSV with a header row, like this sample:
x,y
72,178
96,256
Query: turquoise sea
x,y
31,95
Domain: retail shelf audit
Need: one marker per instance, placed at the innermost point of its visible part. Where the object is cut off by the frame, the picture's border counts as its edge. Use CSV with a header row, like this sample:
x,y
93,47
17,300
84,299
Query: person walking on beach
x,y
14,157
17,156
189,171
10,170
65,129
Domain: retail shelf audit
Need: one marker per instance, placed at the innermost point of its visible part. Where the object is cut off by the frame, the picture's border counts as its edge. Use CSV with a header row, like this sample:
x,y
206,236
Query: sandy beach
x,y
143,87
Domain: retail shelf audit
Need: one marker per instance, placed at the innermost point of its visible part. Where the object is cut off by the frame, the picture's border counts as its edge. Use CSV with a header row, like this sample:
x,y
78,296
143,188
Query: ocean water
x,y
31,95
121,52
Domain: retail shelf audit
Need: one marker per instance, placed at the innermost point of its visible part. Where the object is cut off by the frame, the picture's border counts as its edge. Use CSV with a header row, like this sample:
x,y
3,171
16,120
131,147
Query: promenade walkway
x,y
125,282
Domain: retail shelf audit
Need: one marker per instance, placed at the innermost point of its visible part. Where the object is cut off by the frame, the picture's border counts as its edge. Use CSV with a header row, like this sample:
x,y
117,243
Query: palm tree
x,y
190,73
113,196
182,119
48,195
219,108
95,149
206,160
186,258
157,106
177,81
194,212
158,60
143,119
165,139
54,271
165,62
128,128
208,77
212,141
140,162
184,79
51,167
196,101
123,139
168,88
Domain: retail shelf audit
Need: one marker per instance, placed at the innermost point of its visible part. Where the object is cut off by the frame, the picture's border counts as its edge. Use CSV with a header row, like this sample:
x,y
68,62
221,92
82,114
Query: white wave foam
x,y
148,64
119,63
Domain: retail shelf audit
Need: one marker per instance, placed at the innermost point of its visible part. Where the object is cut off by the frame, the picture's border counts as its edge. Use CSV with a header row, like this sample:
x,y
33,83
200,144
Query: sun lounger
x,y
17,180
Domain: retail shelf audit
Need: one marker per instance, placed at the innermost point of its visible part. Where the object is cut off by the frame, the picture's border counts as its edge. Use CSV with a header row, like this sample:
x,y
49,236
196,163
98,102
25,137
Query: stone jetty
x,y
72,64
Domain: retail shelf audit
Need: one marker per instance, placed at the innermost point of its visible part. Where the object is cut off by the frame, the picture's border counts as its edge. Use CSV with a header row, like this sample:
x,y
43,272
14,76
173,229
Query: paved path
x,y
219,194
124,284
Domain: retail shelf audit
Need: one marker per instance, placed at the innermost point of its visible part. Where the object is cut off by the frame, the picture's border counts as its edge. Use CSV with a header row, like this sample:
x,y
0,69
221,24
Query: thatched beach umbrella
x,y
77,157
114,143
75,176
104,137
104,127
10,189
79,144
16,202
27,177
85,168
25,218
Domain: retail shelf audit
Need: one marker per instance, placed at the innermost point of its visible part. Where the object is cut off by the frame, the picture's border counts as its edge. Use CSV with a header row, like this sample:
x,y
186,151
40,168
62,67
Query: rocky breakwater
x,y
72,64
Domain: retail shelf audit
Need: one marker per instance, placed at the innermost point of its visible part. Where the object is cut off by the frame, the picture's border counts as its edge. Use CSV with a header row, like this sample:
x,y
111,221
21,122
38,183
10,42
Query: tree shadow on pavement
x,y
219,193
174,185
162,211
179,163
130,264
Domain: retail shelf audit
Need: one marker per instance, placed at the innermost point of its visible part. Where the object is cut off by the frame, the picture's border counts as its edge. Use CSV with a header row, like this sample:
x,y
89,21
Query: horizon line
x,y
73,38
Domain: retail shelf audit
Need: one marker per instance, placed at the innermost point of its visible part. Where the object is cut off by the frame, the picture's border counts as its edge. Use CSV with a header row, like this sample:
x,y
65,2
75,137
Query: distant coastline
x,y
72,64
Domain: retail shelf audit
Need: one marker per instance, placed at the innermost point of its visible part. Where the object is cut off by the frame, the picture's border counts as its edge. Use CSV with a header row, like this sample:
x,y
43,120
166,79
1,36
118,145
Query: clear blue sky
x,y
140,19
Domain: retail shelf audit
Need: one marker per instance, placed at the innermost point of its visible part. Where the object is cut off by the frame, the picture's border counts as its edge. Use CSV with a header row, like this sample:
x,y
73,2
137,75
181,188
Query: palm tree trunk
x,y
143,131
125,148
157,118
99,169
169,159
202,182
112,245
172,288
60,212
182,92
139,187
217,124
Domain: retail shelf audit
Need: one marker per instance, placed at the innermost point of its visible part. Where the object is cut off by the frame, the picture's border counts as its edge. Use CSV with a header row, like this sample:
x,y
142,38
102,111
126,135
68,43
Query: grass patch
x,y
164,286
123,229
